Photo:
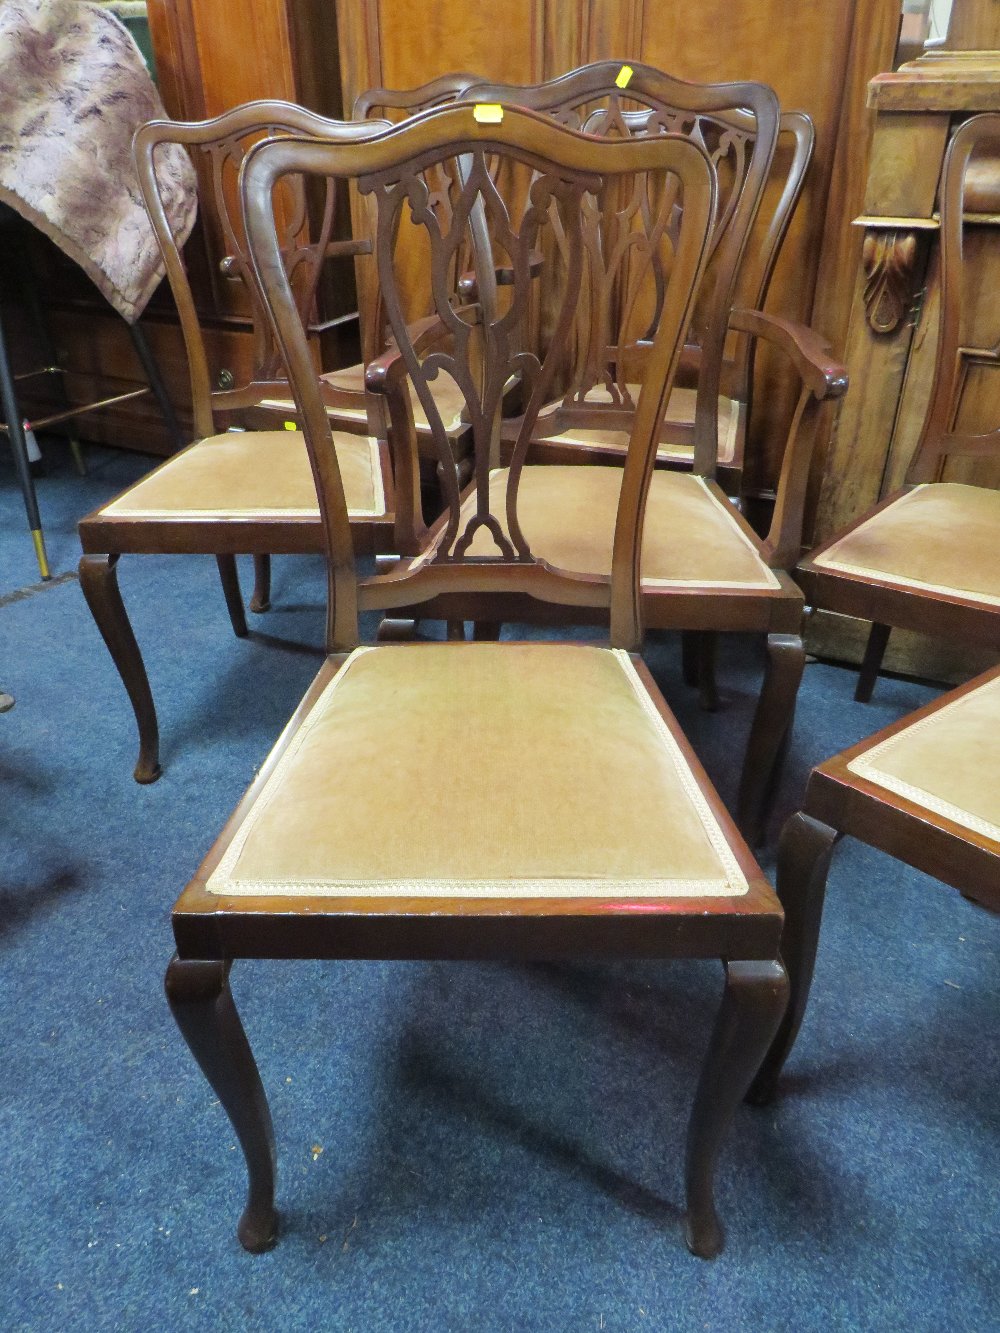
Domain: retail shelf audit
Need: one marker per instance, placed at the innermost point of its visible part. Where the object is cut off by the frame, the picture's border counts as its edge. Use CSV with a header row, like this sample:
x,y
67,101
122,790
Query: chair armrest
x,y
823,378
382,374
809,353
468,287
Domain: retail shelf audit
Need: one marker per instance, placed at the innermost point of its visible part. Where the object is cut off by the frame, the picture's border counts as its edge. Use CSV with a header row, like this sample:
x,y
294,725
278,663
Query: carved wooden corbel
x,y
889,259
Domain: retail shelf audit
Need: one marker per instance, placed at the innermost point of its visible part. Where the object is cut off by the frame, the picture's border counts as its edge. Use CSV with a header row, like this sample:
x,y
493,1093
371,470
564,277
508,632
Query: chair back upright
x,y
480,545
218,147
737,124
968,347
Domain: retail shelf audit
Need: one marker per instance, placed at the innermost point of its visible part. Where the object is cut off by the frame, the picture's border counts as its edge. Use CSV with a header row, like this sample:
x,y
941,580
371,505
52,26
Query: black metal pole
x,y
152,370
19,445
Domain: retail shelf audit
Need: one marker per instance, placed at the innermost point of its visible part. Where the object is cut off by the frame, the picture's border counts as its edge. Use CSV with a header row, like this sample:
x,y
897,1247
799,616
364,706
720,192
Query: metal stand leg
x,y
15,433
29,291
152,370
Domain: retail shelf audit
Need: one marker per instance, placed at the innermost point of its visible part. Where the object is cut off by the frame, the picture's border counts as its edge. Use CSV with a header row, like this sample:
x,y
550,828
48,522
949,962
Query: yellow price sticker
x,y
624,75
488,113
290,425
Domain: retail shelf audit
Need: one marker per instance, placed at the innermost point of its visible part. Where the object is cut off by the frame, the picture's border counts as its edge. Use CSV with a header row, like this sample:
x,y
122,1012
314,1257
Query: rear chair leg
x,y
708,691
486,631
392,630
99,581
698,665
752,1005
769,733
231,589
261,599
689,657
878,639
803,864
200,1001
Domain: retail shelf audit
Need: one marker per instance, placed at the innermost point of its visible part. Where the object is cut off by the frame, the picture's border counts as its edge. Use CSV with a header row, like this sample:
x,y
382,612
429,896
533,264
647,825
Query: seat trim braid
x,y
119,508
769,579
733,883
866,766
872,574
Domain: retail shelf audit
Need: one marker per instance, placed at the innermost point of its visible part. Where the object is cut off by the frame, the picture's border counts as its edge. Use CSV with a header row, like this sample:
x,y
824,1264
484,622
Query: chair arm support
x,y
809,353
468,286
823,378
389,368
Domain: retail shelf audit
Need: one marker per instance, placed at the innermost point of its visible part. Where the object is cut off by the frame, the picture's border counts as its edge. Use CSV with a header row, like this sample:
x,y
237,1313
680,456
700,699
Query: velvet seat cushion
x,y
691,537
446,394
947,761
481,770
941,537
247,474
680,412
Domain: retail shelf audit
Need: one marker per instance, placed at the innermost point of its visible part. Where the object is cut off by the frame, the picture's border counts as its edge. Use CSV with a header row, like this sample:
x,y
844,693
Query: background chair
x,y
927,558
249,491
704,569
740,125
349,405
452,800
925,791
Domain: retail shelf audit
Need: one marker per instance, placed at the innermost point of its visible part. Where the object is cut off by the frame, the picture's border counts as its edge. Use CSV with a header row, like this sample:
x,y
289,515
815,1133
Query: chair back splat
x,y
737,124
570,183
218,148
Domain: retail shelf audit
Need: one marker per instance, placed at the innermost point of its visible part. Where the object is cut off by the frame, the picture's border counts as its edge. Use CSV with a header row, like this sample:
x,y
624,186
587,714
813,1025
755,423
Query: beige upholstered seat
x,y
444,390
941,537
256,474
947,761
690,539
680,412
550,780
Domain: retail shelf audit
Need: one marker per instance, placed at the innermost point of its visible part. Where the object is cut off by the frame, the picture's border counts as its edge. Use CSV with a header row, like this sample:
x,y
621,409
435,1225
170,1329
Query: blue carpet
x,y
460,1146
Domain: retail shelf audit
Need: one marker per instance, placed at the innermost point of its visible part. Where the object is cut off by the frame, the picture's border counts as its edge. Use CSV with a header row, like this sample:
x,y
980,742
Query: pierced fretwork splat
x,y
486,349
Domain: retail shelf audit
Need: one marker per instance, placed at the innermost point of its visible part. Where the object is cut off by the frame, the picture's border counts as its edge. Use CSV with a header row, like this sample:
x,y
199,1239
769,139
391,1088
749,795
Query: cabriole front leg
x,y
769,733
803,864
202,1005
754,1000
99,581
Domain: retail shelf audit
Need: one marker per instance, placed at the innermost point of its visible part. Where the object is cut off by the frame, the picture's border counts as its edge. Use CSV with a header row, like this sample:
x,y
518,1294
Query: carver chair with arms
x,y
740,125
480,800
704,569
240,491
927,558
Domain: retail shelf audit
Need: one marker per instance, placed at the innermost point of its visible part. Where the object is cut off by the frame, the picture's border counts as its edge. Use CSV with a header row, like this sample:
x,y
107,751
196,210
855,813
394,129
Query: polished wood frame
x,y
211,931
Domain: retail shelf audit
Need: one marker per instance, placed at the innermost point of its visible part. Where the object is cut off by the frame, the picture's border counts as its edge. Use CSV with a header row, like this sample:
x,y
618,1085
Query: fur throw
x,y
73,90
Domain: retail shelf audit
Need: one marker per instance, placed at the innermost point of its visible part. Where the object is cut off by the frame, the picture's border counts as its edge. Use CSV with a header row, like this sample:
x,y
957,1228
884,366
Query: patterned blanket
x,y
73,90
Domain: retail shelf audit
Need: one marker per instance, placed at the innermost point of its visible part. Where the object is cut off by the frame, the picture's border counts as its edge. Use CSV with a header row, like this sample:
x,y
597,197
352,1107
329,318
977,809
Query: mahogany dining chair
x,y
481,800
